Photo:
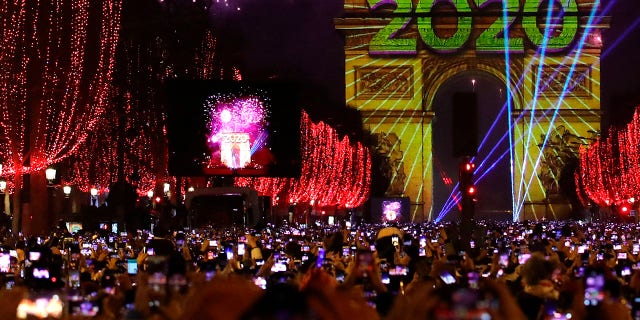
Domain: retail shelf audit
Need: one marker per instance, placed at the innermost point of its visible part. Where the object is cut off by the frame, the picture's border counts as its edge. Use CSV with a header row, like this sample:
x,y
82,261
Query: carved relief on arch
x,y
388,148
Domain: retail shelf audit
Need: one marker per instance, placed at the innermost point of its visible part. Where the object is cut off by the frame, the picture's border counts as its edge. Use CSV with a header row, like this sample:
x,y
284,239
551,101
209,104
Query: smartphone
x,y
132,266
346,251
40,273
74,279
447,277
395,241
260,282
385,278
210,255
5,263
578,272
504,260
423,241
151,252
320,259
34,256
229,252
472,280
364,261
593,288
622,256
523,257
213,243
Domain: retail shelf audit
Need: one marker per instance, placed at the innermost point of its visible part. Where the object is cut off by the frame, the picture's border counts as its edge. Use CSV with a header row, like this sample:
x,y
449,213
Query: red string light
x,y
609,171
335,171
140,123
52,88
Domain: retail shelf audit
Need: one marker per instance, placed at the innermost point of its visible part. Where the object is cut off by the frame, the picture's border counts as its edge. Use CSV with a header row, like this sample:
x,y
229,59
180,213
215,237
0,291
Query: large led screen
x,y
233,128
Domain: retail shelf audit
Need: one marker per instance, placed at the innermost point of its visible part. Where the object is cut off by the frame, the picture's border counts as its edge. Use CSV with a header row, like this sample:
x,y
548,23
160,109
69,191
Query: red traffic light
x,y
471,190
469,166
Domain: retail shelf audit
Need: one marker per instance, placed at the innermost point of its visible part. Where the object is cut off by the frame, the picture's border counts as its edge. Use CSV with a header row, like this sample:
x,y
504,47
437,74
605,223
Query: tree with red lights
x,y
336,172
56,62
609,173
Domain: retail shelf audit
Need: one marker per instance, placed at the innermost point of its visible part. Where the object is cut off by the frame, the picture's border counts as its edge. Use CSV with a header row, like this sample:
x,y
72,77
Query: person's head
x,y
334,242
537,269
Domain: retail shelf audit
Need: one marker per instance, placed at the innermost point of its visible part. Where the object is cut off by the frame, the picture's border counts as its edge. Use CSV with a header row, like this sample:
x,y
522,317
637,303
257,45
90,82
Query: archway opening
x,y
492,175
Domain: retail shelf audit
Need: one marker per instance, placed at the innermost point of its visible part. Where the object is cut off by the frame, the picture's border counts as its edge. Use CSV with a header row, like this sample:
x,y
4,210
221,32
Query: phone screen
x,y
593,292
132,266
74,279
320,259
504,260
34,256
365,260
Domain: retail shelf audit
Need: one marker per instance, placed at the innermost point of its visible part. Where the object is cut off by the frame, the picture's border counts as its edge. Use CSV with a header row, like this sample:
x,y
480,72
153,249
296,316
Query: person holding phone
x,y
539,288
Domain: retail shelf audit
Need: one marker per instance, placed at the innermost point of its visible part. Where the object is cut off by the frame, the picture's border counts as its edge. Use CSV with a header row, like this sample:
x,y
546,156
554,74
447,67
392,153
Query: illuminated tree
x,y
609,168
160,40
335,170
56,65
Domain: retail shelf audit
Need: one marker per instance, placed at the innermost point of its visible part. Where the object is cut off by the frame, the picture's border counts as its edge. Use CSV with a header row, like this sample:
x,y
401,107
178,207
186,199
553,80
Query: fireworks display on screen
x,y
391,210
237,131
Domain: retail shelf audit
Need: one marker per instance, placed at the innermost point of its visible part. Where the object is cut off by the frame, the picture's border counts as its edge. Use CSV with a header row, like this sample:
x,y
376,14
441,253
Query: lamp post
x,y
50,175
166,188
66,190
3,188
3,185
94,196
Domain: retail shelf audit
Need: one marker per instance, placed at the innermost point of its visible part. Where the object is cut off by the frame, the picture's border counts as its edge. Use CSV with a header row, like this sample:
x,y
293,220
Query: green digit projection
x,y
555,42
488,41
428,34
385,41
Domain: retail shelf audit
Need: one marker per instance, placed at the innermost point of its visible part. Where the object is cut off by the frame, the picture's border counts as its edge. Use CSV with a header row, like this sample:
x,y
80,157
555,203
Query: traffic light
x,y
467,186
471,191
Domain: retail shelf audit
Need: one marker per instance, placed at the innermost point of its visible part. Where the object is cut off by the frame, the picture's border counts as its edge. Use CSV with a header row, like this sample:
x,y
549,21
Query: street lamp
x,y
66,190
3,185
94,196
166,188
50,174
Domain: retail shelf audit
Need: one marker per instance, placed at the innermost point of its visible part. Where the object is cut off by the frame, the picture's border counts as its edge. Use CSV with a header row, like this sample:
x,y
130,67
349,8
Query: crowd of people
x,y
528,270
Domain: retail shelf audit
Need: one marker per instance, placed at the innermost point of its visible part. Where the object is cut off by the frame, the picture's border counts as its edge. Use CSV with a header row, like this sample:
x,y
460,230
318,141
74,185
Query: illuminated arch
x,y
394,65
